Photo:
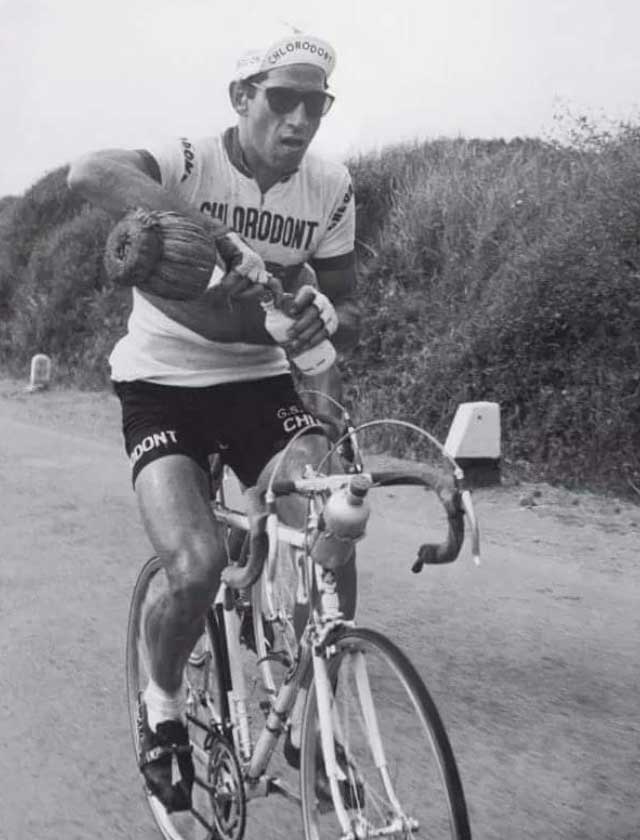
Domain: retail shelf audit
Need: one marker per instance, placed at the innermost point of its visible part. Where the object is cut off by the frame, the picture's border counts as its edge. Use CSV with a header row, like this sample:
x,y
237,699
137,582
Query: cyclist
x,y
200,377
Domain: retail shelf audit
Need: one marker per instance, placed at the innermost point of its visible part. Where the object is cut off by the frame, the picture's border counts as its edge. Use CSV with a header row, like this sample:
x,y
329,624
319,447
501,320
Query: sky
x,y
79,75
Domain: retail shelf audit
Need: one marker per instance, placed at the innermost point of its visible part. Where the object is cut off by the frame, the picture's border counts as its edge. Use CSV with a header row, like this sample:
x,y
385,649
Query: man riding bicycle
x,y
203,376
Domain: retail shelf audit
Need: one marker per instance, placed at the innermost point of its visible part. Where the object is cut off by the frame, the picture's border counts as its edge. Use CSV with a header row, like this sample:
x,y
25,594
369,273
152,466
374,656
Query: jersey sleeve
x,y
176,162
339,238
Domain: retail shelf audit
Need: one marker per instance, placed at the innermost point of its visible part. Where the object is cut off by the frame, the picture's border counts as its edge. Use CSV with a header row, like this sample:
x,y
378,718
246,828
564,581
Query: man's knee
x,y
309,449
193,571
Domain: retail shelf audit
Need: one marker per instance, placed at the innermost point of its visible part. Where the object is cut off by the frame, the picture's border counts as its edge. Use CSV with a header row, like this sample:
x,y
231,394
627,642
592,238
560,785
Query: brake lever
x,y
467,504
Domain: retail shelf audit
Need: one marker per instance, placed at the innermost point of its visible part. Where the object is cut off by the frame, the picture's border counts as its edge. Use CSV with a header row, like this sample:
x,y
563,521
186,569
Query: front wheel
x,y
397,776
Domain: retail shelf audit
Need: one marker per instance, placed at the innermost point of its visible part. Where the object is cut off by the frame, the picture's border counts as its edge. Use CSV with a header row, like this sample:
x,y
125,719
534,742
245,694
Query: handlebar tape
x,y
242,577
430,479
283,487
447,551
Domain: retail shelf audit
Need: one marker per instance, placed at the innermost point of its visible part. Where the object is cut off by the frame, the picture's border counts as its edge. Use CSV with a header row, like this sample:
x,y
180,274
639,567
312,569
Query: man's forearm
x,y
117,187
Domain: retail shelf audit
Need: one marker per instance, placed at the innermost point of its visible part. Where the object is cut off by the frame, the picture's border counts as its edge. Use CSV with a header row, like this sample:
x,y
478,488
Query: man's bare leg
x,y
309,449
173,496
328,382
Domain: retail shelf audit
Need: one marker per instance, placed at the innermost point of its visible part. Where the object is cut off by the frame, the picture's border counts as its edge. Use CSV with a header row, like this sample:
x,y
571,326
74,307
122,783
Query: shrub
x,y
510,273
63,306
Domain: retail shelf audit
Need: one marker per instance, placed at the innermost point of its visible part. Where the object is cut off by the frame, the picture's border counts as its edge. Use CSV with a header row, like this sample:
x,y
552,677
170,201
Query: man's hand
x,y
315,319
245,275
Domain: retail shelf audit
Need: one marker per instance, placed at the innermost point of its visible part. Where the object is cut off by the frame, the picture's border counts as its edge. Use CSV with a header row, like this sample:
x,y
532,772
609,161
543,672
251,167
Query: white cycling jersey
x,y
308,216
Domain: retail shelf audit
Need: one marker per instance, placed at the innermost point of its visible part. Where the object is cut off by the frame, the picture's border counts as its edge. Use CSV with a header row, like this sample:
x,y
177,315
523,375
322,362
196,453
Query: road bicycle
x,y
374,757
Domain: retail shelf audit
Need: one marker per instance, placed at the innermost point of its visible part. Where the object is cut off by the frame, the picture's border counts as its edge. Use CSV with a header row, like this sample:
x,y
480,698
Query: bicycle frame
x,y
255,757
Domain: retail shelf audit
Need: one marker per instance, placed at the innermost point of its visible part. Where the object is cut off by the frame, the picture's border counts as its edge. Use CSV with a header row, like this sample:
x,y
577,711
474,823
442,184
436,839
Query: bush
x,y
63,306
510,273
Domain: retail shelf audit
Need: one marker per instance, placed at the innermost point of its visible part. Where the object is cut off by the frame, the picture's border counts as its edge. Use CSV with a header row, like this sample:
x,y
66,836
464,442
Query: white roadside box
x,y
474,440
40,374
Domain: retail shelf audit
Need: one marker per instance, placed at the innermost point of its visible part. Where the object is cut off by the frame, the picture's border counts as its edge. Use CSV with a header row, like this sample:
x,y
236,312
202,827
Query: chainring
x,y
227,794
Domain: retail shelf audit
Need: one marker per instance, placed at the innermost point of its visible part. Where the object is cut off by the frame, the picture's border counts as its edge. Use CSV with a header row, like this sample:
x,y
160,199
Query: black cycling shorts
x,y
245,422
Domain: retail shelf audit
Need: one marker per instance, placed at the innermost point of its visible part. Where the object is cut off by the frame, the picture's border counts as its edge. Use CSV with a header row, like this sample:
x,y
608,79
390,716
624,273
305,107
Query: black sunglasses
x,y
283,100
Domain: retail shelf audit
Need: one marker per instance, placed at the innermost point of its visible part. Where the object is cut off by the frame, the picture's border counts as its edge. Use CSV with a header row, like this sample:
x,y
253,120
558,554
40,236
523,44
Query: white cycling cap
x,y
294,49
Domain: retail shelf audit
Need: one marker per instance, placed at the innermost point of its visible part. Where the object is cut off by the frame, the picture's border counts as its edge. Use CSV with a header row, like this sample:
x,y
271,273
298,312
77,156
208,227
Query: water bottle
x,y
277,323
343,521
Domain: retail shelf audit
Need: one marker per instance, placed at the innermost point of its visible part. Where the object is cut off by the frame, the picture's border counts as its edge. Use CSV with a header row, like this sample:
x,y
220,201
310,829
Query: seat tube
x,y
238,693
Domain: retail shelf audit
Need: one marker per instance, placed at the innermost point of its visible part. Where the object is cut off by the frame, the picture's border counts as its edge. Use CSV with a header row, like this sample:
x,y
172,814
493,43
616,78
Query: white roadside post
x,y
474,441
40,375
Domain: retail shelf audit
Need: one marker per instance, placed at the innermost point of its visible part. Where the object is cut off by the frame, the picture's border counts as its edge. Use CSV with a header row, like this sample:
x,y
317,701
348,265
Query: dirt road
x,y
533,658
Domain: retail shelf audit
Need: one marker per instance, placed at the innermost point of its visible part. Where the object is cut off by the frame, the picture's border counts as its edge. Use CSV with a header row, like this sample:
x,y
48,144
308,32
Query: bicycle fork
x,y
324,699
332,730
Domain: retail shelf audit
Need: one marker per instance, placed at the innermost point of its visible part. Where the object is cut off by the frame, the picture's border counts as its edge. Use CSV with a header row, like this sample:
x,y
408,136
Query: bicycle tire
x,y
275,614
205,705
429,799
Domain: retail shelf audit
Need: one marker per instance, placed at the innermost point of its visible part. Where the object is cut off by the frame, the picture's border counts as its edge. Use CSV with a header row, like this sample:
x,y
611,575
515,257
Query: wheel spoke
x,y
274,605
202,820
201,783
